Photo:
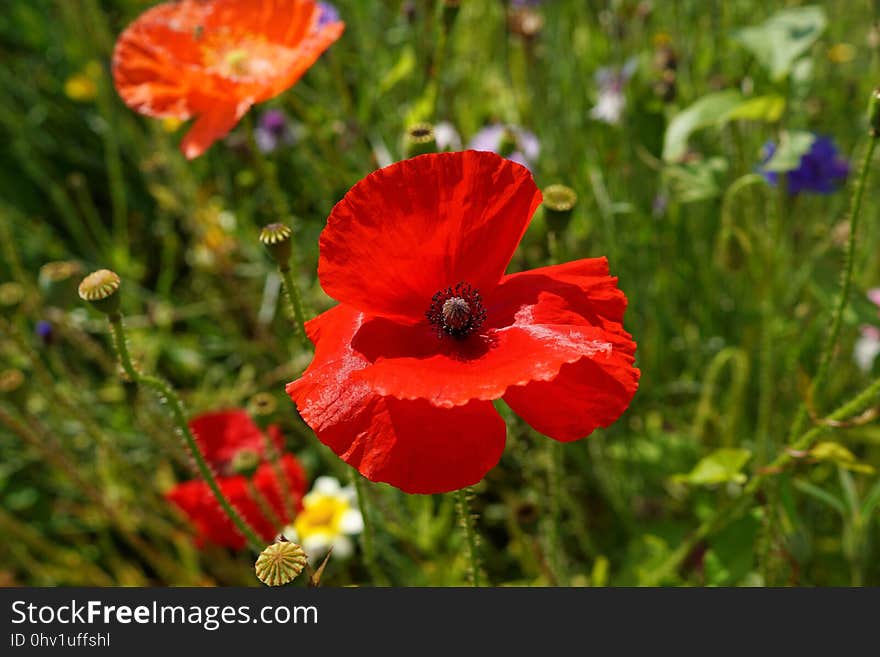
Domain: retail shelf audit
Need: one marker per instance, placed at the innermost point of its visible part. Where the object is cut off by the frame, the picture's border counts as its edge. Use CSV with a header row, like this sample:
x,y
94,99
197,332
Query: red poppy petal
x,y
536,322
157,62
212,125
584,396
412,445
221,434
410,229
294,486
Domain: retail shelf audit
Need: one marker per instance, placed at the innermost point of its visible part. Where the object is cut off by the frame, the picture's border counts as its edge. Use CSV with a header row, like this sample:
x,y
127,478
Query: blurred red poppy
x,y
232,443
430,330
214,59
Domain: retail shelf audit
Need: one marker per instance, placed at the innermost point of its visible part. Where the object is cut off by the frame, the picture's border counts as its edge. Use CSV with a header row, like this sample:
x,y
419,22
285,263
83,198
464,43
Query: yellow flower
x,y
83,86
171,124
328,518
80,88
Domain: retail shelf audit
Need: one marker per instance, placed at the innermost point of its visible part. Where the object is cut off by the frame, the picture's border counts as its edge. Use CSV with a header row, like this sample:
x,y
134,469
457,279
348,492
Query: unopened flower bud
x,y
11,293
100,289
276,238
559,202
525,22
245,462
263,403
874,113
280,563
58,281
509,143
419,140
11,380
450,13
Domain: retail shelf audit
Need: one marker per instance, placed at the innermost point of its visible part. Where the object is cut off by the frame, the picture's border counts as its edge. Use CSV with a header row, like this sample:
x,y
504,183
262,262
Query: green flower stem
x,y
166,393
280,475
469,530
555,471
368,536
858,404
294,301
845,286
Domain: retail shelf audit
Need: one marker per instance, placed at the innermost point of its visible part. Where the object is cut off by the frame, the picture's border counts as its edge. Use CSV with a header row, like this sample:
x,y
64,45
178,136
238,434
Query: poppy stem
x,y
170,398
869,397
368,536
295,304
845,286
467,520
555,469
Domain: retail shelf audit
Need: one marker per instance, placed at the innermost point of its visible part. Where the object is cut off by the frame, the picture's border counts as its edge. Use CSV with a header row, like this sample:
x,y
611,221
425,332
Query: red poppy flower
x,y
213,59
230,442
429,329
259,500
224,436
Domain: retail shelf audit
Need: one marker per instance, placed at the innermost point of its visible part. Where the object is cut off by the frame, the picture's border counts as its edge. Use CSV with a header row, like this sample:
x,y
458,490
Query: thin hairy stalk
x,y
167,394
295,305
869,397
467,521
845,286
555,472
368,536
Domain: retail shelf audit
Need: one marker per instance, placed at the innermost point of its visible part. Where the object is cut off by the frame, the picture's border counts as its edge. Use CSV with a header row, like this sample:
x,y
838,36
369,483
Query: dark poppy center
x,y
456,311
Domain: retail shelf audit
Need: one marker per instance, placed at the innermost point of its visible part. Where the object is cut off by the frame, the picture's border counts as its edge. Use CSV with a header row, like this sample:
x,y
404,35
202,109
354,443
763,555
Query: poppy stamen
x,y
456,311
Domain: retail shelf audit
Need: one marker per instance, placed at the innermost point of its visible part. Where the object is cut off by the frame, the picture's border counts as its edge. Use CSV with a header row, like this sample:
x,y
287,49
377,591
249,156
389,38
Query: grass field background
x,y
731,285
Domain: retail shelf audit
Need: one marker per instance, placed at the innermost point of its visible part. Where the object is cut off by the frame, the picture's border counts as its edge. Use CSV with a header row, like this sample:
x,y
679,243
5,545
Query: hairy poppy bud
x,y
874,113
525,22
11,294
99,289
263,403
559,201
276,238
280,563
450,13
58,281
245,462
420,139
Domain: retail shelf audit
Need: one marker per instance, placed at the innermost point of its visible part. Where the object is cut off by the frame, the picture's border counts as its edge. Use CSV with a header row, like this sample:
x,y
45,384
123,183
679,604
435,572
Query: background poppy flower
x,y
429,330
266,511
224,437
215,59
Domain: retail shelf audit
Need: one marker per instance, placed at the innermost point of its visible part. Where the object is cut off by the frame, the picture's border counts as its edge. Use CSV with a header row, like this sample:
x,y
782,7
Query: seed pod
x,y
280,563
99,289
276,238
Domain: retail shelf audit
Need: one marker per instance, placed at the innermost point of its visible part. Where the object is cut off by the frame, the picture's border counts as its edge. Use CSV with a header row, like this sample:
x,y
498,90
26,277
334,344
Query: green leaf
x,y
793,145
780,40
731,554
707,111
697,181
837,453
761,108
721,466
400,71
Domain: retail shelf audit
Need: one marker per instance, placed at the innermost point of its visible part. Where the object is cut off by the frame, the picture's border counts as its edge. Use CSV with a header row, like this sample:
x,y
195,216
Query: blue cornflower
x,y
821,169
44,332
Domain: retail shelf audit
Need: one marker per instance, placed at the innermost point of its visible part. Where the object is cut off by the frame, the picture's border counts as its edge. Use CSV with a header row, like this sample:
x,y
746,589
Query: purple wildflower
x,y
820,170
612,100
273,130
329,14
44,332
447,137
512,142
